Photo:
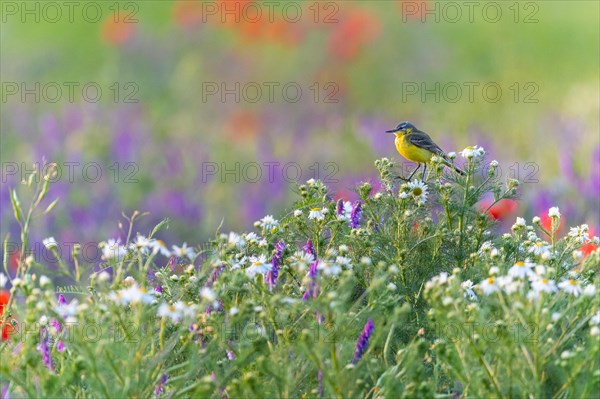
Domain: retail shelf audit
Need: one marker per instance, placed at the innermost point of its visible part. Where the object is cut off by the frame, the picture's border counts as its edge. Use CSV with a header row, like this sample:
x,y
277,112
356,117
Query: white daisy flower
x,y
207,294
589,290
251,237
519,223
539,247
521,269
580,233
543,285
3,280
297,213
554,212
141,244
343,248
184,251
268,222
103,276
489,286
113,250
344,261
508,284
301,261
452,155
236,240
329,268
176,312
418,189
317,213
468,287
68,310
240,263
403,195
49,243
159,246
570,286
132,295
258,265
472,152
44,281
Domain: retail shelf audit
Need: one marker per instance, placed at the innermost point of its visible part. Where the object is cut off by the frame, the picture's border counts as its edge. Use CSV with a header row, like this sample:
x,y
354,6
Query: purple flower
x,y
61,300
160,387
273,274
309,248
339,207
56,325
312,290
214,276
158,289
4,394
45,351
355,214
363,341
60,346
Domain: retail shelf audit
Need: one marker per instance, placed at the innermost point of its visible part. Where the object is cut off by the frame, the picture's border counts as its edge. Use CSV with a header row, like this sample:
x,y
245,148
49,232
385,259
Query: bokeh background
x,y
158,128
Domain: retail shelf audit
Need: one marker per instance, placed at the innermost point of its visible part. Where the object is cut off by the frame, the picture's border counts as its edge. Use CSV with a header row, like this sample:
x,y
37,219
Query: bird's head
x,y
403,128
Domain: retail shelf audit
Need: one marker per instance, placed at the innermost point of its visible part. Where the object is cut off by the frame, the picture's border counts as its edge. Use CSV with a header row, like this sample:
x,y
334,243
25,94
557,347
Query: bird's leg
x,y
424,171
413,173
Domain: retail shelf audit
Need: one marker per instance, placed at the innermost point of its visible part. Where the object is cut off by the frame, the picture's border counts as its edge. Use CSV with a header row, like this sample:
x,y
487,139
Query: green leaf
x,y
159,226
51,206
14,199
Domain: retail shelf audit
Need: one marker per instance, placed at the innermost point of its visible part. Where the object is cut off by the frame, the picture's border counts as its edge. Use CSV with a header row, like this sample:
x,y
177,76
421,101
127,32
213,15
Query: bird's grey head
x,y
403,127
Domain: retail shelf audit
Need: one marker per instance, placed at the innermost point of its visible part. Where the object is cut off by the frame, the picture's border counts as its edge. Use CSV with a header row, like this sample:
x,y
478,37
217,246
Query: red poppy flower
x,y
588,248
243,125
4,298
499,210
187,13
546,222
355,30
117,32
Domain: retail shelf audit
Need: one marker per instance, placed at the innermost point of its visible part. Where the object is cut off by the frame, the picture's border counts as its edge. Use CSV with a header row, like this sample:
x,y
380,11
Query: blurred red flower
x,y
119,32
233,12
242,125
4,298
500,210
546,222
187,13
588,248
13,259
356,29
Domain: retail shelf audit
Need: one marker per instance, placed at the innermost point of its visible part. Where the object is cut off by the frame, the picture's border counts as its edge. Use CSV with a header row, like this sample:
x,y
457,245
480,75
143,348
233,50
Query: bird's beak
x,y
392,131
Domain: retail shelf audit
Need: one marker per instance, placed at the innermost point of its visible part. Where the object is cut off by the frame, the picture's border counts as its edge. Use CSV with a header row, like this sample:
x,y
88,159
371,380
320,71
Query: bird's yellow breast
x,y
411,151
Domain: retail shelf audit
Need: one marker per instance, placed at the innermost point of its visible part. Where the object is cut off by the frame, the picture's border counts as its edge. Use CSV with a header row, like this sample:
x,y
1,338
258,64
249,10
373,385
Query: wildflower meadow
x,y
404,293
199,199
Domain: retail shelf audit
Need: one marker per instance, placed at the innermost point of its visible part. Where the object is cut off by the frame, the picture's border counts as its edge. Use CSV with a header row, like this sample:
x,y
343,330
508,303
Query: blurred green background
x,y
362,67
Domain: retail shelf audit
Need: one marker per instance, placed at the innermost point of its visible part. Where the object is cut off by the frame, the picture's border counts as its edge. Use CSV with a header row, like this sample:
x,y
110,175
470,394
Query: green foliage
x,y
221,324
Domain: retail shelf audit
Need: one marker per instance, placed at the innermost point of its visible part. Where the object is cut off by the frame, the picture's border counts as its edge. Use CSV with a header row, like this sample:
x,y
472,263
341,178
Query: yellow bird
x,y
417,146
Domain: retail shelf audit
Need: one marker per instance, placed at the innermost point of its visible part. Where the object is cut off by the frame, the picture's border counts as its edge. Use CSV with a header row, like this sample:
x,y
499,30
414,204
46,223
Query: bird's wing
x,y
422,140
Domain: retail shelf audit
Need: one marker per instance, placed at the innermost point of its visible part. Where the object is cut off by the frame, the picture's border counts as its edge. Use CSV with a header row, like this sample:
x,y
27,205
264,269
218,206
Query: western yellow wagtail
x,y
418,147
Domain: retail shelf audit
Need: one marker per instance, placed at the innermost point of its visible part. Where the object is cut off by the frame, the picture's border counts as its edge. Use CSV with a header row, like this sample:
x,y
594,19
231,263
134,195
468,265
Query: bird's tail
x,y
456,168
